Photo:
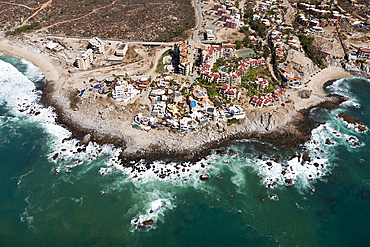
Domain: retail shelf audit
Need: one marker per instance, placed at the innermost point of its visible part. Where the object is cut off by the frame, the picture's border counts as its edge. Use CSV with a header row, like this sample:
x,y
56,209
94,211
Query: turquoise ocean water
x,y
93,201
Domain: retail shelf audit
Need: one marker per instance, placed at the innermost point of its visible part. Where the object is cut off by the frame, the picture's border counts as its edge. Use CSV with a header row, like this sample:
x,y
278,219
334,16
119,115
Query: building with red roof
x,y
363,53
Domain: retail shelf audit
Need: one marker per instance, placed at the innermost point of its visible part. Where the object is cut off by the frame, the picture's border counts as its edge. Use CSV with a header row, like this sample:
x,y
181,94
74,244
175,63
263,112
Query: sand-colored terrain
x,y
315,85
110,118
51,72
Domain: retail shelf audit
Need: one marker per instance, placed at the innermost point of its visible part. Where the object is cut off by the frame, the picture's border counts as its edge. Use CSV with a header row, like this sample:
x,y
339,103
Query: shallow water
x,y
249,205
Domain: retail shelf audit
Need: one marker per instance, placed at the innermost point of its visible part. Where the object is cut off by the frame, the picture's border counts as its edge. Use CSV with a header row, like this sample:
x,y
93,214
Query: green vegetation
x,y
91,2
212,92
74,98
238,44
233,121
266,51
311,53
259,28
160,65
25,28
253,73
219,63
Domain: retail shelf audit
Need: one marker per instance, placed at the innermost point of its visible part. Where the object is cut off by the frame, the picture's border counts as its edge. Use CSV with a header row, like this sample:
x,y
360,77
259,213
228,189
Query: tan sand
x,y
50,71
316,87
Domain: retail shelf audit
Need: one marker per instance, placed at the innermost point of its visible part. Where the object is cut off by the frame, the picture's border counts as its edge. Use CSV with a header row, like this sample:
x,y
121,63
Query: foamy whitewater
x,y
83,195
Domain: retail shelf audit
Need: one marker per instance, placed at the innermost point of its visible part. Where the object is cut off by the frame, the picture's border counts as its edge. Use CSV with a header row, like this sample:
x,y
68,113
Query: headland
x,y
105,121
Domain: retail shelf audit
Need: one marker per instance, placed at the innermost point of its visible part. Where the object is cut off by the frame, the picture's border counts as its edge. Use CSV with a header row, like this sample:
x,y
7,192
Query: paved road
x,y
200,20
241,6
289,13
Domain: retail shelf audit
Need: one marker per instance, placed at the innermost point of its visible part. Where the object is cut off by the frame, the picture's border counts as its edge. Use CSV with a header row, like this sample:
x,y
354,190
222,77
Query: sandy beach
x,y
51,72
315,85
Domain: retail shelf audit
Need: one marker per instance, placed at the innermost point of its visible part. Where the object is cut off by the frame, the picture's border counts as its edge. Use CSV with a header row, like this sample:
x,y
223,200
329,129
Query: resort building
x,y
184,57
96,45
363,53
121,50
124,92
84,59
229,93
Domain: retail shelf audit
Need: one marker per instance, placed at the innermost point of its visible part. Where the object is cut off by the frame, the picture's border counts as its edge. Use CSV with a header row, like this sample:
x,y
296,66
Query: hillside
x,y
147,20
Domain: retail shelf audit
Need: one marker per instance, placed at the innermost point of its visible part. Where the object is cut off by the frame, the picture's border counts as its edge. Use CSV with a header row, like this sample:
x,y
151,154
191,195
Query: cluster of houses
x,y
168,106
211,53
229,92
295,44
124,91
276,41
260,83
361,53
245,64
229,15
270,100
322,16
291,78
265,6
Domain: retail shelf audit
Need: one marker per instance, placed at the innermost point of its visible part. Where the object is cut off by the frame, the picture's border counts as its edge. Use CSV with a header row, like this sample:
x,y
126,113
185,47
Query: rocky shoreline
x,y
291,135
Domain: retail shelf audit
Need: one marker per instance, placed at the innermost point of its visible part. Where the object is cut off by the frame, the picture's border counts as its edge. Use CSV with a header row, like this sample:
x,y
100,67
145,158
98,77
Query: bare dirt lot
x,y
146,20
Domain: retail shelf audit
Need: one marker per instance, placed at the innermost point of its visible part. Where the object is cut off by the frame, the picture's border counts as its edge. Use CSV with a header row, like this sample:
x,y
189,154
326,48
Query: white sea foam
x,y
16,89
154,211
342,87
32,72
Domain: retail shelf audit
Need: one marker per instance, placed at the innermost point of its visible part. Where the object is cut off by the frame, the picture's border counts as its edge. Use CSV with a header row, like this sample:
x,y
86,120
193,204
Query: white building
x,y
159,109
236,111
84,59
97,45
121,50
124,92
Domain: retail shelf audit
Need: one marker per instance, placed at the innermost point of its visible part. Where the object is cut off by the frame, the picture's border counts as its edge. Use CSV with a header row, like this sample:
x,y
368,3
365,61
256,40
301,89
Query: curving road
x,y
289,13
199,20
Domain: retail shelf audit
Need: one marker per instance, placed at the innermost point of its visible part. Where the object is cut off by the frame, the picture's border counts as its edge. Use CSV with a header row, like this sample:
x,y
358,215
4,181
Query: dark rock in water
x,y
218,176
288,182
261,198
231,196
356,144
316,164
232,152
204,177
306,157
146,223
312,190
351,139
55,156
349,119
328,142
276,158
269,163
56,172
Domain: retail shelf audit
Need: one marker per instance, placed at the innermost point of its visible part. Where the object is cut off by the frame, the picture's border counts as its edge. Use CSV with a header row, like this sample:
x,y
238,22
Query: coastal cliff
x,y
105,121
